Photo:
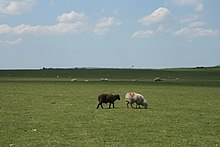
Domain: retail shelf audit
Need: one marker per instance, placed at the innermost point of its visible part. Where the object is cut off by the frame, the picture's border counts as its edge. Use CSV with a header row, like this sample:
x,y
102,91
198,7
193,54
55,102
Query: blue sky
x,y
109,33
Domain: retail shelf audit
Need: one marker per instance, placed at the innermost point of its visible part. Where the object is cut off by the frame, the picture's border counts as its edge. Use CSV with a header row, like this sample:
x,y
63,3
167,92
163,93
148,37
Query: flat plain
x,y
58,108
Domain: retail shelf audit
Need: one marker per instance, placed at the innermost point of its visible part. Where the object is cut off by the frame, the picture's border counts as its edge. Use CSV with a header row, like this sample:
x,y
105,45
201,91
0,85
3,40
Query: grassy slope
x,y
62,113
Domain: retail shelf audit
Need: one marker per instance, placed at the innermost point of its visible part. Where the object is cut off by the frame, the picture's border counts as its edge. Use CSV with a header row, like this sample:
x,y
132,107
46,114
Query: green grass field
x,y
39,109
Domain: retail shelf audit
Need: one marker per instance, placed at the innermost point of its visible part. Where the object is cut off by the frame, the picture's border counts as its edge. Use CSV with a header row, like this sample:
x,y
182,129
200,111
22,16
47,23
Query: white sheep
x,y
132,97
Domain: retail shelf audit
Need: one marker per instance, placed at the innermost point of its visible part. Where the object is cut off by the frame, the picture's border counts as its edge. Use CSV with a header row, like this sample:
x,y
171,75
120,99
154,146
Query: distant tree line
x,y
74,68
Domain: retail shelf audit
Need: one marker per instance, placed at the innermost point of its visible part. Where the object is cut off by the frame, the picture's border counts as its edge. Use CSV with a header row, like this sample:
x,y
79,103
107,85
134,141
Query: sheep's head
x,y
145,104
117,97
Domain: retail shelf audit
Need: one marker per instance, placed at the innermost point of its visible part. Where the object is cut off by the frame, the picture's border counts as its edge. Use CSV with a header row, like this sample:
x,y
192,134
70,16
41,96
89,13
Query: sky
x,y
109,33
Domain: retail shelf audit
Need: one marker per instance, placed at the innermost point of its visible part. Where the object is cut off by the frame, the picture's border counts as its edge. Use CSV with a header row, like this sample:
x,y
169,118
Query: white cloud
x,y
189,19
196,3
193,21
161,29
16,7
156,16
142,34
195,32
42,29
105,24
196,24
71,17
11,42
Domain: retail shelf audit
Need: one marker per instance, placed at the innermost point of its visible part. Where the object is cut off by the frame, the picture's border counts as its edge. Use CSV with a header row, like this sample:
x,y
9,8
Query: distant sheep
x,y
104,79
132,97
157,79
73,80
107,98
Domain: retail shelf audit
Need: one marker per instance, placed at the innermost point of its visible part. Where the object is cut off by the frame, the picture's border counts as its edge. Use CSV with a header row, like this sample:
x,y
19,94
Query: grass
x,y
45,111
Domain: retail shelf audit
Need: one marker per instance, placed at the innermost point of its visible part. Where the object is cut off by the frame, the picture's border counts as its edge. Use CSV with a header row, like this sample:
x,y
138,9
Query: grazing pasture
x,y
39,109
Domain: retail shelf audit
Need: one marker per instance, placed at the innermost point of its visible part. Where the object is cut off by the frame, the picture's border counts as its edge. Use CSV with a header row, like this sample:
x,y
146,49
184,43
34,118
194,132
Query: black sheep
x,y
107,98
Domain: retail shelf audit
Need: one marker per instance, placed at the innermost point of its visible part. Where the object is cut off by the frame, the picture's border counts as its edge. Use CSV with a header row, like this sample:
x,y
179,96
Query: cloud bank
x,y
68,23
193,26
75,22
195,32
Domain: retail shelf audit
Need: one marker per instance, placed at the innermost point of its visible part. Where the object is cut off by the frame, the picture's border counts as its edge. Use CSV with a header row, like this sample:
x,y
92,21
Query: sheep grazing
x,y
157,79
73,80
104,79
132,97
107,98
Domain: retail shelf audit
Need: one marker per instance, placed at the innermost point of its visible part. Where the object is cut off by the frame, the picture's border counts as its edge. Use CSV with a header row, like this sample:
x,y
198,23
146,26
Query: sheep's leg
x,y
127,104
132,105
110,105
98,106
113,105
102,106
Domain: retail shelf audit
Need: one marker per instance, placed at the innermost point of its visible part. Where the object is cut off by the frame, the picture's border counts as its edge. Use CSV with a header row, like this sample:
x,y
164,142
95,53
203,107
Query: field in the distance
x,y
39,109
